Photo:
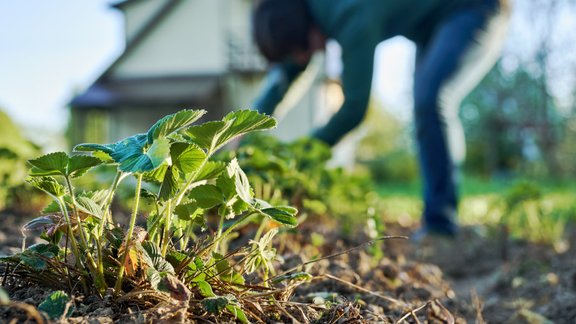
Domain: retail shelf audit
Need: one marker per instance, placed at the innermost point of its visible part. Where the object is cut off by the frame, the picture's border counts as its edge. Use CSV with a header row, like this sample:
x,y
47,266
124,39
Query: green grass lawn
x,y
496,202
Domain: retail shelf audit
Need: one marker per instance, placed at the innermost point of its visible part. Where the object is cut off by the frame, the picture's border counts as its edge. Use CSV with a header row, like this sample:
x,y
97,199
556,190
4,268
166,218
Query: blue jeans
x,y
449,64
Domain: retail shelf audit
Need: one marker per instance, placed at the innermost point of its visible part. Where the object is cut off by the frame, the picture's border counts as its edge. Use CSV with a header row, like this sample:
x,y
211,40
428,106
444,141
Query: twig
x,y
142,293
5,277
306,320
477,306
412,312
390,299
285,312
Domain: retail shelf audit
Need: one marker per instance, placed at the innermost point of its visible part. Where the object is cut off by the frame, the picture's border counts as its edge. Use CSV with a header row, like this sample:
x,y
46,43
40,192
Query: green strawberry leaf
x,y
55,305
188,211
89,206
238,313
133,154
48,185
79,164
169,185
215,304
187,157
213,135
53,162
205,289
282,215
173,123
211,170
207,196
36,255
241,182
244,122
207,135
59,163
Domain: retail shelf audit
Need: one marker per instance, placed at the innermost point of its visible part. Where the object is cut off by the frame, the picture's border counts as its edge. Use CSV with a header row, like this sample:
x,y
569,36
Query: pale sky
x,y
50,49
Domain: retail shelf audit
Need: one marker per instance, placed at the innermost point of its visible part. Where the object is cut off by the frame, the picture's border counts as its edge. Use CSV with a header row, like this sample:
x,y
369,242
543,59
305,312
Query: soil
x,y
477,277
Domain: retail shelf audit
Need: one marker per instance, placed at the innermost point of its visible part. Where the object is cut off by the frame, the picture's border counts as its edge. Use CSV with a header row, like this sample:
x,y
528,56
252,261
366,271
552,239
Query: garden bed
x,y
535,284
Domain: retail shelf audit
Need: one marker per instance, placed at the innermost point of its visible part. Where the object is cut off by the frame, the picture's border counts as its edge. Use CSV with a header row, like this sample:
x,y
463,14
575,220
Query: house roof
x,y
108,91
148,91
142,33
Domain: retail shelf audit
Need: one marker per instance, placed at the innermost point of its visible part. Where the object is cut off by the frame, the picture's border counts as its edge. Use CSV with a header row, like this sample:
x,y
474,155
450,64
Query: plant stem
x,y
70,235
97,270
107,212
260,229
232,227
220,228
107,216
118,286
76,215
167,224
181,194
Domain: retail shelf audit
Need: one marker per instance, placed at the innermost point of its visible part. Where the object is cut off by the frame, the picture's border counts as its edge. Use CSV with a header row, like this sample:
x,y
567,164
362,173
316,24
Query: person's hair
x,y
281,27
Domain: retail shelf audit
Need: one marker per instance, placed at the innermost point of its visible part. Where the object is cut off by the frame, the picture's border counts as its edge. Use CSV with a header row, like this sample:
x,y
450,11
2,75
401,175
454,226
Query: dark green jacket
x,y
358,26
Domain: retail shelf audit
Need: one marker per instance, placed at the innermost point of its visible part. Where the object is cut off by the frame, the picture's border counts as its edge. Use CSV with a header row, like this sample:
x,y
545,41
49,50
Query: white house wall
x,y
189,41
237,14
138,13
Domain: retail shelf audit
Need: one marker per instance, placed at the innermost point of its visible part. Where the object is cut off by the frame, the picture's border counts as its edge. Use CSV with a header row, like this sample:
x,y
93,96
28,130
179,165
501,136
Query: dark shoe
x,y
426,232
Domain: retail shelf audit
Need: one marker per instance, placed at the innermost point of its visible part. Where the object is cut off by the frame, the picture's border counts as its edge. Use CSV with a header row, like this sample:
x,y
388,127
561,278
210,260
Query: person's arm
x,y
276,84
358,62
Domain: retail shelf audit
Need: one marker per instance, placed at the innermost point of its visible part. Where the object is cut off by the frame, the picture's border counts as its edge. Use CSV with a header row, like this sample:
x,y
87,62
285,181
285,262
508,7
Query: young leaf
x,y
206,196
246,121
133,153
156,175
155,257
55,305
36,256
48,185
215,304
214,135
158,152
238,313
282,215
241,182
53,163
89,206
188,211
187,157
211,170
39,223
206,135
205,289
225,270
173,123
262,253
79,164
299,276
169,185
59,163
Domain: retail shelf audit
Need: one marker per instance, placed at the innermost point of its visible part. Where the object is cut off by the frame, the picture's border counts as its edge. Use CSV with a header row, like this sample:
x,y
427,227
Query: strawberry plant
x,y
297,173
174,250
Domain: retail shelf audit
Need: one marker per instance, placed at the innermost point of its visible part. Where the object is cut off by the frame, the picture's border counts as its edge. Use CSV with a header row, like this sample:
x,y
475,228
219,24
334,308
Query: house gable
x,y
137,14
175,46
